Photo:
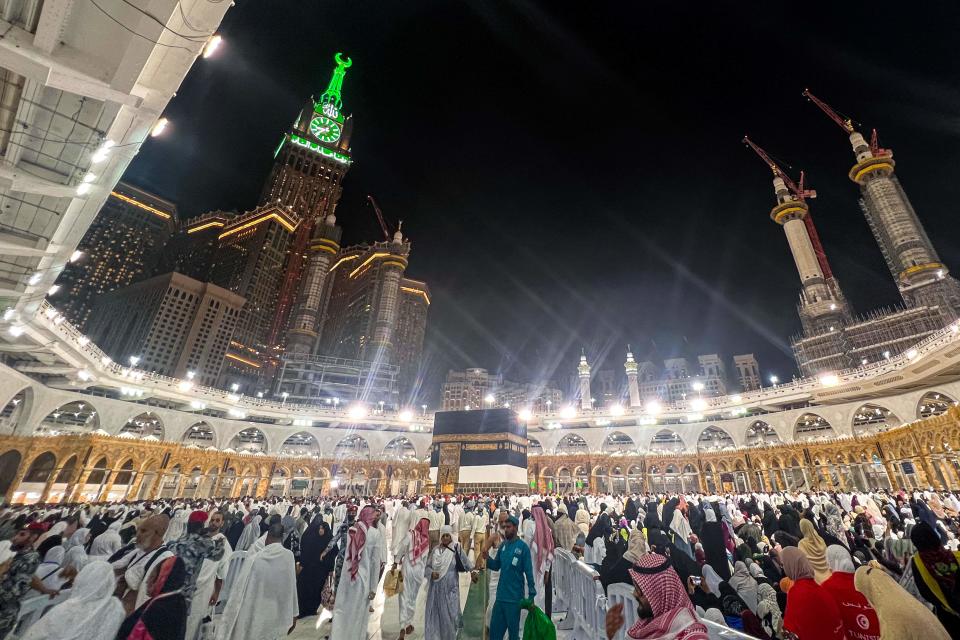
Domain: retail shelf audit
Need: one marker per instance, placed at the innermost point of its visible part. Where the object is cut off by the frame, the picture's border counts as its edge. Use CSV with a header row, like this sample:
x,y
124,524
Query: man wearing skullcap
x,y
193,548
514,562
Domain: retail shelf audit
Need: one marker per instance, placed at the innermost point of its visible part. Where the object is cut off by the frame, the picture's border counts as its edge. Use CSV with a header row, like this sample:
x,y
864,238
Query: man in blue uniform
x,y
513,561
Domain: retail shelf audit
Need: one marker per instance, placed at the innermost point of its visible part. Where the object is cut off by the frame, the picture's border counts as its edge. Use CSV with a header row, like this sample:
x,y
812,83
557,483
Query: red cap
x,y
198,516
36,527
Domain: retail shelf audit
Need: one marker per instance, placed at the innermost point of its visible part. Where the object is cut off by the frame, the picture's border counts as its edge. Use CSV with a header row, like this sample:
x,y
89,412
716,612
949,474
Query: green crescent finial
x,y
332,94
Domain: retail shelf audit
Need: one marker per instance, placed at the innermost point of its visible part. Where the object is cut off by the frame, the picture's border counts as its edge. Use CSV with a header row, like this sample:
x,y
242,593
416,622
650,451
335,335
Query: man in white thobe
x,y
358,579
262,604
212,573
412,551
136,566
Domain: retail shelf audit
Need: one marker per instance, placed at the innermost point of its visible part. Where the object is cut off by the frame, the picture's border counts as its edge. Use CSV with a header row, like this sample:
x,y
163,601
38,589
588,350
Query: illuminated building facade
x,y
170,324
250,255
472,388
122,245
192,249
411,328
747,372
314,310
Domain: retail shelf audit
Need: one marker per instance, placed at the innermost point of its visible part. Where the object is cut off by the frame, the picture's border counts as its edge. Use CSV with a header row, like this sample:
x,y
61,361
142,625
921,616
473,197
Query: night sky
x,y
571,174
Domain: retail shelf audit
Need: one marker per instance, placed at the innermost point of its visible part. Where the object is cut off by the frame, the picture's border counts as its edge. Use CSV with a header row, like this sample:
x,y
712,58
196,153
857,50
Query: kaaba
x,y
481,451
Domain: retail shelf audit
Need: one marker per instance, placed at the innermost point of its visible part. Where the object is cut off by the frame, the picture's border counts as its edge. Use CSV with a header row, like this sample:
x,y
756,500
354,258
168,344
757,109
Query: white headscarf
x,y
178,526
442,556
90,613
250,534
838,559
76,556
108,542
55,530
712,578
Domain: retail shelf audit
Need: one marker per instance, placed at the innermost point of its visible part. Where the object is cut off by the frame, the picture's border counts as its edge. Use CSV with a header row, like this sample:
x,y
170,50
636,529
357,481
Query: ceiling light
x,y
159,127
212,45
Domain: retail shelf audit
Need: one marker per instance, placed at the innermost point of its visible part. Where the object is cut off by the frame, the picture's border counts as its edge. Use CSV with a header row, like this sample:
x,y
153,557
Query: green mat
x,y
475,611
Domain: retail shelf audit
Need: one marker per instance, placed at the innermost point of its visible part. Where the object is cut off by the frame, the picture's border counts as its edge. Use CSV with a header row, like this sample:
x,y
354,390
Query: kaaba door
x,y
448,471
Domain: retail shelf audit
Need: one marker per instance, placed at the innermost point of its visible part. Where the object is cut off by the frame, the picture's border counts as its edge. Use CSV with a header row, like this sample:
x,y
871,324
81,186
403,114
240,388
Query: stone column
x,y
262,487
48,485
891,476
73,492
135,483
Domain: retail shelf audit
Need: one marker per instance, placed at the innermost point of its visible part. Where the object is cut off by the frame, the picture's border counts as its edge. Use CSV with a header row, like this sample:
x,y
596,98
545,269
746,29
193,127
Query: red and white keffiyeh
x,y
420,542
358,539
674,617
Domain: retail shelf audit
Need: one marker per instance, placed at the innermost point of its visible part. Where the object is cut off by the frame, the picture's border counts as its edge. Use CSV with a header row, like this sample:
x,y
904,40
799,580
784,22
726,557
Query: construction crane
x,y
846,124
801,193
380,219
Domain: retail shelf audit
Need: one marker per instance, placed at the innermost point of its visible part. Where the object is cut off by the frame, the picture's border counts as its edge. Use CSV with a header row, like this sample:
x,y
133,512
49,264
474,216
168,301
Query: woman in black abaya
x,y
315,569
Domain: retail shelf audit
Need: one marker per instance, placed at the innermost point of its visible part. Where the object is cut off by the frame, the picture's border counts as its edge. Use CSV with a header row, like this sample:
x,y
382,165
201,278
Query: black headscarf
x,y
769,520
652,519
602,528
668,510
630,511
314,542
165,613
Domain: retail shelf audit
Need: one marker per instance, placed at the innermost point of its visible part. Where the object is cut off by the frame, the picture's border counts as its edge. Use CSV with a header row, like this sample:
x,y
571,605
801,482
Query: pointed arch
x,y
873,418
9,465
353,446
934,403
78,416
41,467
400,448
250,439
618,442
571,443
811,426
714,439
666,440
146,424
761,433
200,434
300,444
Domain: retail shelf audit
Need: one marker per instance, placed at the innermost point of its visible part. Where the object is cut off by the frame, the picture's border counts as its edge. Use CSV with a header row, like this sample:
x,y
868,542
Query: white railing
x,y
588,605
49,319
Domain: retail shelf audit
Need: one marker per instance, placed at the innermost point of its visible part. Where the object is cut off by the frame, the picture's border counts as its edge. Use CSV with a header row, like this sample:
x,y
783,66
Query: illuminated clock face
x,y
330,110
325,129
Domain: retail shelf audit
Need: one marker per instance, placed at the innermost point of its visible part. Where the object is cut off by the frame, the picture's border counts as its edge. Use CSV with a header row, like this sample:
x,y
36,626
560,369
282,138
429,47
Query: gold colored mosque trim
x,y
920,454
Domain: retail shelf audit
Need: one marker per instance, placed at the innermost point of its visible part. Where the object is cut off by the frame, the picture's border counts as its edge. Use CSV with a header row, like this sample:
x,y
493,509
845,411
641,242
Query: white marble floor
x,y
384,622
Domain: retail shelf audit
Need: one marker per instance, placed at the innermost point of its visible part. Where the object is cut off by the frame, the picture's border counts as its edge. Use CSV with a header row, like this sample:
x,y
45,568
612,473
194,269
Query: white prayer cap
x,y
446,529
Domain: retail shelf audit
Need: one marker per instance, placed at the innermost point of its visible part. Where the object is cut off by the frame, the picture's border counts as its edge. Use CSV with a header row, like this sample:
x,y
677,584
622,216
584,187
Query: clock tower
x,y
306,178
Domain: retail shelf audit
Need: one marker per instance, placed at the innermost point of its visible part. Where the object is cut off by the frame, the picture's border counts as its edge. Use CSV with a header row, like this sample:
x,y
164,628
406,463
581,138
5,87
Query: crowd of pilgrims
x,y
778,566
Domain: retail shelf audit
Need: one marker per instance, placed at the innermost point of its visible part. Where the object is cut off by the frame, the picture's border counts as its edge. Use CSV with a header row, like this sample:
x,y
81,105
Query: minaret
x,y
633,387
822,305
920,275
302,333
393,262
583,369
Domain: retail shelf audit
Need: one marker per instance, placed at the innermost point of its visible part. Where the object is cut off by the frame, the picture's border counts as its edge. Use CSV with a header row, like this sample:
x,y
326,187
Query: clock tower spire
x,y
332,94
307,176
